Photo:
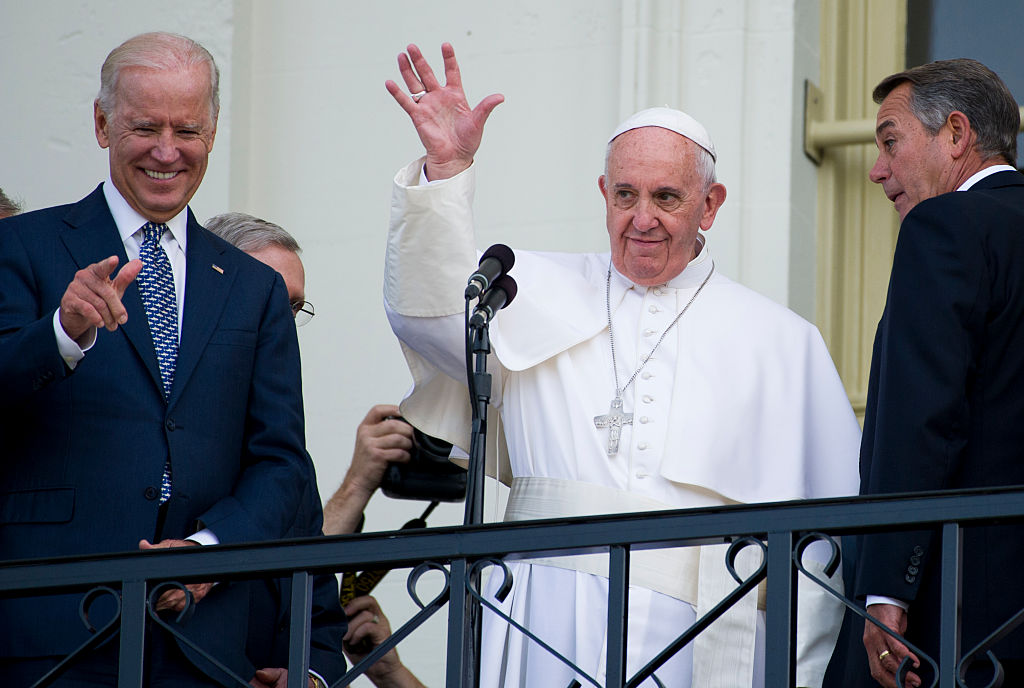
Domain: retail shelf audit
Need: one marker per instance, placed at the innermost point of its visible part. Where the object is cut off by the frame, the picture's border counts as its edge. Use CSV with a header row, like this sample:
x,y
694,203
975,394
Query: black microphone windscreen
x,y
503,253
508,285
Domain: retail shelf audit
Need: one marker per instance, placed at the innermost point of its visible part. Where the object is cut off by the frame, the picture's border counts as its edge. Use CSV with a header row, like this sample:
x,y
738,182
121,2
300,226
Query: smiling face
x,y
160,135
913,165
656,202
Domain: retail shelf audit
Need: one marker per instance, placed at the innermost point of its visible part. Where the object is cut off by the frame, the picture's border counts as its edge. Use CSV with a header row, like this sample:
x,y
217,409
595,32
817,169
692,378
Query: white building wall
x,y
309,138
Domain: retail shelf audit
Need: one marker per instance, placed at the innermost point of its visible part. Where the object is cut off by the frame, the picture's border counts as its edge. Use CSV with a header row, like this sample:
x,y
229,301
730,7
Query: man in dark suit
x,y
150,376
272,245
945,405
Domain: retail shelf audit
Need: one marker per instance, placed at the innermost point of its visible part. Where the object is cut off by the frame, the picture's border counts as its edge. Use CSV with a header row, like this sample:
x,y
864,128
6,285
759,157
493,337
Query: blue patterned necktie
x,y
156,285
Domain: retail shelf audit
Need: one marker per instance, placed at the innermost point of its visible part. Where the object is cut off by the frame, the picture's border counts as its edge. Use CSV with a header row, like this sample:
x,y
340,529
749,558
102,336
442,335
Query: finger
x,y
485,107
452,75
392,433
74,309
380,412
103,269
423,69
409,76
401,97
361,604
125,276
84,297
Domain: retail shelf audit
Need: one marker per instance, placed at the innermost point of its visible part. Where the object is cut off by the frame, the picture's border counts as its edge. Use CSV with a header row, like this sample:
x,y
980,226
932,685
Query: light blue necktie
x,y
156,285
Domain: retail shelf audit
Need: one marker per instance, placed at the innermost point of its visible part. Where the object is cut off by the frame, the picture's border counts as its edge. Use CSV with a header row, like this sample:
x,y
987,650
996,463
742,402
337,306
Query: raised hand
x,y
448,128
93,299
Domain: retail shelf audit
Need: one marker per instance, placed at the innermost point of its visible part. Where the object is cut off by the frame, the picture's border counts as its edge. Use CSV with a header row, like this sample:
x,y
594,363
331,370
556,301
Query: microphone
x,y
494,299
495,262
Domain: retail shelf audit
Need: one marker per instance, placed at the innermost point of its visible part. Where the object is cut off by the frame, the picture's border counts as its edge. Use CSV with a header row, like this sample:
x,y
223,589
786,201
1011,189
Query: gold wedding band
x,y
883,655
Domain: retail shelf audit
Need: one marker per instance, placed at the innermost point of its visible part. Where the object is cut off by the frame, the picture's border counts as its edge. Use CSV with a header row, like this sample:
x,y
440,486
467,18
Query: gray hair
x,y
703,161
250,233
939,88
157,50
8,207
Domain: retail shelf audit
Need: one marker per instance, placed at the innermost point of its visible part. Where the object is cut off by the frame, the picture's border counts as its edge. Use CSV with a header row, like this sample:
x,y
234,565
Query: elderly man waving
x,y
719,395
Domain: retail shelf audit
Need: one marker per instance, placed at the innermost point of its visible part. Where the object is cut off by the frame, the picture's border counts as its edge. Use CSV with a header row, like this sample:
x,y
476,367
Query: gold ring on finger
x,y
884,655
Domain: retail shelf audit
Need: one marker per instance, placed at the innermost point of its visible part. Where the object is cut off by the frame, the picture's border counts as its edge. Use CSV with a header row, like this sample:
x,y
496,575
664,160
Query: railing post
x,y
133,634
460,629
951,596
618,607
299,632
780,626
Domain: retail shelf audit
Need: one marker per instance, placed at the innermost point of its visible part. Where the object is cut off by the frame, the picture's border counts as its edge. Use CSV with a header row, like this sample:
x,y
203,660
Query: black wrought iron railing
x,y
781,530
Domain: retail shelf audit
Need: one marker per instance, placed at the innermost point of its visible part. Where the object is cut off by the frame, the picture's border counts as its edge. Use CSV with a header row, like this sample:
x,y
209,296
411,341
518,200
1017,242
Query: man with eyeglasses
x,y
272,245
380,439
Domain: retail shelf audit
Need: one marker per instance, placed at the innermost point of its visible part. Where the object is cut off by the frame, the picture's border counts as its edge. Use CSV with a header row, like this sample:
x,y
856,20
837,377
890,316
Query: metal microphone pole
x,y
479,346
480,392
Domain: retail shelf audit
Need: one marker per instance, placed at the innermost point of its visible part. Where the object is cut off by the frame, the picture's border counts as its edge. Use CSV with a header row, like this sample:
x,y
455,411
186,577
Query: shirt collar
x,y
981,174
691,276
129,221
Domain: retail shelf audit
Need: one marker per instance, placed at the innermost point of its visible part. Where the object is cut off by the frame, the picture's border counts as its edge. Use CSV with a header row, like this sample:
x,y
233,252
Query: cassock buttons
x,y
653,309
646,375
642,446
647,398
645,420
650,332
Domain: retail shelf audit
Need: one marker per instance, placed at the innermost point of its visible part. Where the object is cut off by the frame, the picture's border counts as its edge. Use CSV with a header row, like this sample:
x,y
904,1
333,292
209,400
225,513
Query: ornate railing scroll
x,y
784,529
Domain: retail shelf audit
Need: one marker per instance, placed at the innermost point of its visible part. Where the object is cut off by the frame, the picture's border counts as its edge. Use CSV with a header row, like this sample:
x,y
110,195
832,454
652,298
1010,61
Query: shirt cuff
x,y
881,599
318,679
69,349
205,537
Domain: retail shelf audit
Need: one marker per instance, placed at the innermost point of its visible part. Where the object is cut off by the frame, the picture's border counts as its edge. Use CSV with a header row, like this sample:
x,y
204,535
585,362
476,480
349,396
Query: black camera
x,y
428,475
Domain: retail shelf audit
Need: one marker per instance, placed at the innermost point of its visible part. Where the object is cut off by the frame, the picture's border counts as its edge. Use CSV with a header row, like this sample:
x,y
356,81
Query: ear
x,y
961,136
101,122
604,189
712,202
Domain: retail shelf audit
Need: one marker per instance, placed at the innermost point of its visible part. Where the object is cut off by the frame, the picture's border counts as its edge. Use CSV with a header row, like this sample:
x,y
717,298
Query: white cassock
x,y
740,403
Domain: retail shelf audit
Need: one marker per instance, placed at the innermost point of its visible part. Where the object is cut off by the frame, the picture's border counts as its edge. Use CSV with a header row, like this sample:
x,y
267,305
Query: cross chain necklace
x,y
615,418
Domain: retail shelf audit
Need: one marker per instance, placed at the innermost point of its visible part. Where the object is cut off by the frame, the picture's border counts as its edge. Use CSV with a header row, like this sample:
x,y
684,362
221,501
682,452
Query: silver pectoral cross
x,y
614,420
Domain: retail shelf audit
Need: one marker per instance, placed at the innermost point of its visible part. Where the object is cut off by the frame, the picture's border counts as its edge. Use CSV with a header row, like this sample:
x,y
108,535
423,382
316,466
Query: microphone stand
x,y
480,398
478,346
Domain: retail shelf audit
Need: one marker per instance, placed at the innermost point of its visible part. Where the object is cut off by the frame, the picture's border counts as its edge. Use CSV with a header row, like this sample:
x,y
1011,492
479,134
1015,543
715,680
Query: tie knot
x,y
151,232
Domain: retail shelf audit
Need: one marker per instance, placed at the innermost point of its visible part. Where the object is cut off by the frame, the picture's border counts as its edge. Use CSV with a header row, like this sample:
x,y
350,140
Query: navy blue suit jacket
x,y
945,402
83,450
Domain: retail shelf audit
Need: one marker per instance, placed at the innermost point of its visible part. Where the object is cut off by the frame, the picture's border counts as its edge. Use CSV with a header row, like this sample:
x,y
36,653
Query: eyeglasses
x,y
303,312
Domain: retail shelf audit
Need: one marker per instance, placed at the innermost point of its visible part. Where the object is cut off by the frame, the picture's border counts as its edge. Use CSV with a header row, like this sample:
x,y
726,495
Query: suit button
x,y
909,578
918,550
151,493
170,425
912,570
915,560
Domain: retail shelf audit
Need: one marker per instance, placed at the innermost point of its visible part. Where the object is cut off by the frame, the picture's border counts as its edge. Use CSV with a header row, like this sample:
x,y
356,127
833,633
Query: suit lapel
x,y
208,282
91,236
